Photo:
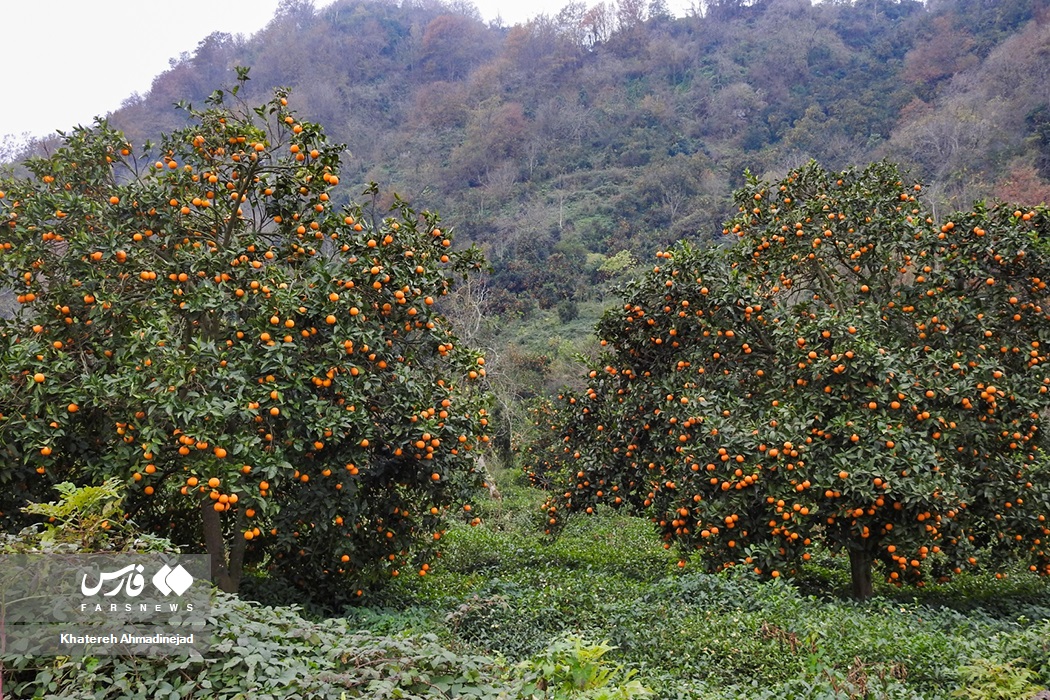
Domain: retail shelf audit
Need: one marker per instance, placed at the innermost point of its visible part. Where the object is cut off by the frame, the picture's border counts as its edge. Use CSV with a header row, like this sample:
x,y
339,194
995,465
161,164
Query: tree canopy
x,y
615,127
848,372
268,371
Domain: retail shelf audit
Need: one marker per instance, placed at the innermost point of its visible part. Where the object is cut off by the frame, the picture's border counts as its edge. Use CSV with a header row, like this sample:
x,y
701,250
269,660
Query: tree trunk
x,y
226,568
860,561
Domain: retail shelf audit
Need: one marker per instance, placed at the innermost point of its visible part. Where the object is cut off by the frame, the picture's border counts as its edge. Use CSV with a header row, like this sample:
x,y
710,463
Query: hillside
x,y
616,127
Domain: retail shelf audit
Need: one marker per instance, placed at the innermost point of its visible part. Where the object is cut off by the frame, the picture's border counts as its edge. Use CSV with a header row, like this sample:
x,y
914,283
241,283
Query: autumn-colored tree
x,y
203,322
849,372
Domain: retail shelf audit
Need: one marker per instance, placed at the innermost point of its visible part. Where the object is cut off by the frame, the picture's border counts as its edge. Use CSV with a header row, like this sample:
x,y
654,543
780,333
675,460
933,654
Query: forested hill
x,y
615,126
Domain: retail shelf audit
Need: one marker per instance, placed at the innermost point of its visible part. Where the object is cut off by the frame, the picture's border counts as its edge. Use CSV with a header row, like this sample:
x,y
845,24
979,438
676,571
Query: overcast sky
x,y
66,61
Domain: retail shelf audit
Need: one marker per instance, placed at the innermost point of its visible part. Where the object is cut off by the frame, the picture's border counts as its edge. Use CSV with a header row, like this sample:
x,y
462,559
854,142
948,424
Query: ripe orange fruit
x,y
213,482
38,378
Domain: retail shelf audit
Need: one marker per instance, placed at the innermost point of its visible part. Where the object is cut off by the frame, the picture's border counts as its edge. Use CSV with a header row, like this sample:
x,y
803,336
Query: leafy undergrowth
x,y
503,589
262,652
274,653
601,612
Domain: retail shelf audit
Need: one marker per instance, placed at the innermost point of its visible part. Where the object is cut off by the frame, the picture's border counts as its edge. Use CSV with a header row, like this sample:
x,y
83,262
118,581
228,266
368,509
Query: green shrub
x,y
987,680
573,668
265,652
1031,647
504,588
275,652
89,518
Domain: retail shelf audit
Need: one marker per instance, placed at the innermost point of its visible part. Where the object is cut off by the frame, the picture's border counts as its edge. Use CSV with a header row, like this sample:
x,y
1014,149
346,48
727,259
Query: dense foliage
x,y
269,371
612,125
849,371
728,635
274,653
503,615
269,652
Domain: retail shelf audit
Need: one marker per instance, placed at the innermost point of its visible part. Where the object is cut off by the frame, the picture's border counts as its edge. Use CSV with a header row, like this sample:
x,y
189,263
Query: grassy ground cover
x,y
503,589
601,613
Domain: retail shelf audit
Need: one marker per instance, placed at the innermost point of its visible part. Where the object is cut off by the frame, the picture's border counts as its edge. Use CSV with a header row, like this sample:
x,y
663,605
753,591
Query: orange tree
x,y
258,364
849,372
540,447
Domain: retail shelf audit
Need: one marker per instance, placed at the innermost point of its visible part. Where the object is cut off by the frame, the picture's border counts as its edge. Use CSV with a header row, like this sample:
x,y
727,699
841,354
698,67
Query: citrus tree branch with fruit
x,y
849,372
268,372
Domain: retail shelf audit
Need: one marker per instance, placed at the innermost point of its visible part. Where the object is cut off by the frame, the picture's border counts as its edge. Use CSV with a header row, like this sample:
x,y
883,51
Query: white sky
x,y
66,61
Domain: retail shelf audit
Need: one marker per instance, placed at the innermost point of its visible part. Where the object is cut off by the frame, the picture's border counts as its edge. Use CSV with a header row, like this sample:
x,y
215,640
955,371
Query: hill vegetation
x,y
557,144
